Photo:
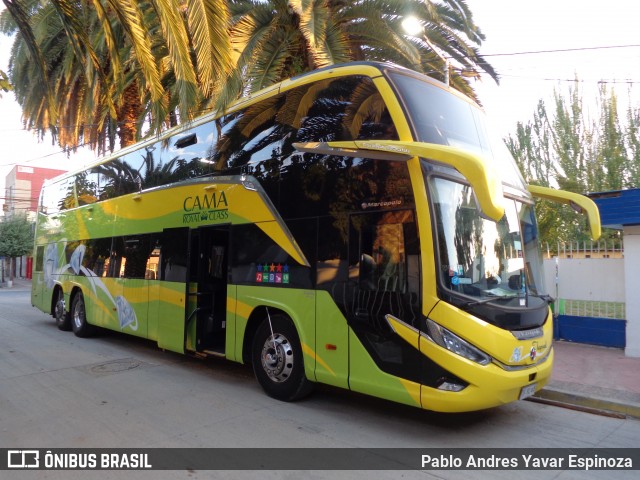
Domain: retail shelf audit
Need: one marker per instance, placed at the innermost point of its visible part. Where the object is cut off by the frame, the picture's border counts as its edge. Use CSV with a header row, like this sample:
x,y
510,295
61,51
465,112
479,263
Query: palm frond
x,y
276,52
77,36
336,48
177,40
19,15
109,39
208,23
314,16
130,17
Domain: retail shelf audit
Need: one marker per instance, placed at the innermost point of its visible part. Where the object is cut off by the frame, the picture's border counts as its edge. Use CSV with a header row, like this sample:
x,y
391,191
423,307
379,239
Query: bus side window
x,y
96,255
86,188
382,258
116,267
153,259
39,263
136,255
186,155
255,256
384,263
173,254
53,197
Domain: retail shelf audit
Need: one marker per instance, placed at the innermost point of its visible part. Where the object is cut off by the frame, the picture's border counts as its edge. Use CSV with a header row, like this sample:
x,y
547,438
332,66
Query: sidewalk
x,y
586,377
593,378
19,285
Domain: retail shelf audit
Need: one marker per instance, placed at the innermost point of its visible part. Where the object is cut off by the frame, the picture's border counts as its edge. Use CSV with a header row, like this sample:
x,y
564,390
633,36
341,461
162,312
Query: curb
x,y
19,285
15,289
604,401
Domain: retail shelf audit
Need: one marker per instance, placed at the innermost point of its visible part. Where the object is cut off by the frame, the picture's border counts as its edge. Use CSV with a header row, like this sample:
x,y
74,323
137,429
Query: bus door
x,y
384,252
209,249
169,307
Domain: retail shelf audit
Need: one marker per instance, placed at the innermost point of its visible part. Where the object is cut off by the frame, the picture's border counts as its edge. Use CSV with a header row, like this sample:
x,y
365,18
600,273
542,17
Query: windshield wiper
x,y
489,300
545,297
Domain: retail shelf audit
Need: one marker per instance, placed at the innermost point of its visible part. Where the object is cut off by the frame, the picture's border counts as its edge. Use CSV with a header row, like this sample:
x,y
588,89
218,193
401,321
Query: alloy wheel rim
x,y
60,307
78,316
277,358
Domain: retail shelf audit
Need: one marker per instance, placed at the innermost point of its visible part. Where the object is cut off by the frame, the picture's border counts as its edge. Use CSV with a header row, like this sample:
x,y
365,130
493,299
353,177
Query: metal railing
x,y
588,308
587,249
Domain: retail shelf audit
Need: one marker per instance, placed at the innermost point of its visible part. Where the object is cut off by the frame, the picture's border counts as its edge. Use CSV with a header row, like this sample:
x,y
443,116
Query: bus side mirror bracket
x,y
579,203
481,175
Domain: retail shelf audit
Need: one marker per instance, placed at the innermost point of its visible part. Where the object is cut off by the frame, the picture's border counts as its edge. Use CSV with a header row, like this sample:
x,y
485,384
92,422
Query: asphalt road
x,y
113,390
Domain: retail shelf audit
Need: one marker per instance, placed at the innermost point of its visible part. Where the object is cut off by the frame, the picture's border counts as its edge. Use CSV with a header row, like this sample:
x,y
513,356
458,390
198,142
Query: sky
x,y
511,27
524,26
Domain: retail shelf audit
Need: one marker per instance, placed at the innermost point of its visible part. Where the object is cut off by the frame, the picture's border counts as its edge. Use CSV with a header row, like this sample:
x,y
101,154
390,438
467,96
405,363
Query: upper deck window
x,y
441,117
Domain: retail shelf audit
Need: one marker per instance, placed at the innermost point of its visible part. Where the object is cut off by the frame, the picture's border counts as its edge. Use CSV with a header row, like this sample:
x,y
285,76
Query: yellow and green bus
x,y
355,226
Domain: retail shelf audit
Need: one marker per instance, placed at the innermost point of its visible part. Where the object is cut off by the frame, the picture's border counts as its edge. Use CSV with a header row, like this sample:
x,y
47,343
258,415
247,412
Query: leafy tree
x,y
611,152
16,239
564,148
5,86
632,136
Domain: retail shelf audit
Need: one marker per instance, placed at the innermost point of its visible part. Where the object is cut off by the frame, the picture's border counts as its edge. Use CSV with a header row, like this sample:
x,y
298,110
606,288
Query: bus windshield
x,y
445,119
480,258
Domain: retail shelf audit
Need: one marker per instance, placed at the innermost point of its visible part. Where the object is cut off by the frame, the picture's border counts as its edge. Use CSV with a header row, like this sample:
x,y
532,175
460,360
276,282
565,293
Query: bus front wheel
x,y
79,317
278,361
63,320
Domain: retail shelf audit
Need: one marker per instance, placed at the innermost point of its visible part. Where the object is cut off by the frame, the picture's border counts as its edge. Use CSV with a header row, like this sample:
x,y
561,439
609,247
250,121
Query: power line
x,y
626,81
558,50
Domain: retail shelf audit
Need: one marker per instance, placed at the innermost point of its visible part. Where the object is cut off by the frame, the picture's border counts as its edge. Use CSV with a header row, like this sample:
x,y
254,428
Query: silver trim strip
x,y
513,368
528,334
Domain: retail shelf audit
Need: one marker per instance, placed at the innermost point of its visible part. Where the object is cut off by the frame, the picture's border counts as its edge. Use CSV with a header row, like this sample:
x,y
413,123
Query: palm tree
x,y
110,64
16,17
178,51
91,70
82,73
276,39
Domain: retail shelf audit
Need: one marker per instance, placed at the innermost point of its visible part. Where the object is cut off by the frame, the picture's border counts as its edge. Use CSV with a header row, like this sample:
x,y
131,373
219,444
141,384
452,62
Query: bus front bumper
x,y
489,385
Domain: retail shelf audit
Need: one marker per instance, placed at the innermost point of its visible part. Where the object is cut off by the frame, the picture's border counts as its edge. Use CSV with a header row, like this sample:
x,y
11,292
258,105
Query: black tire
x,y
277,360
79,317
62,317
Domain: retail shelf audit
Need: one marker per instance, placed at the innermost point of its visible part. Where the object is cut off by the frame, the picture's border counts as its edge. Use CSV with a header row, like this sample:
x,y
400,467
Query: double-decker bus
x,y
356,226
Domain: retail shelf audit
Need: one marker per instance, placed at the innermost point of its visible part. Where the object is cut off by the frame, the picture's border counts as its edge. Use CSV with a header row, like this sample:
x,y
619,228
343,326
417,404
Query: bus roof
x,y
369,68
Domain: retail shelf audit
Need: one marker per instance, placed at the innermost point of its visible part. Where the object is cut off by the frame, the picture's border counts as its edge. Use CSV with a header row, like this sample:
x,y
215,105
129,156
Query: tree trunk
x,y
128,115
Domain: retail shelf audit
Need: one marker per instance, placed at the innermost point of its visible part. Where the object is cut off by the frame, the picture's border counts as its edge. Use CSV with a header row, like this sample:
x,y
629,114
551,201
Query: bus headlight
x,y
453,343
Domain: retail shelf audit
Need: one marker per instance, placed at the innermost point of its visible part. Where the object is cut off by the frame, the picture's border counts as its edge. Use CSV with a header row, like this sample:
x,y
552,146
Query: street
x,y
57,390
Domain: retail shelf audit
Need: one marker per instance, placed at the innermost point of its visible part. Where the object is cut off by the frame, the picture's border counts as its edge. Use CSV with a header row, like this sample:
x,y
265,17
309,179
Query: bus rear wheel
x,y
277,360
79,317
63,320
